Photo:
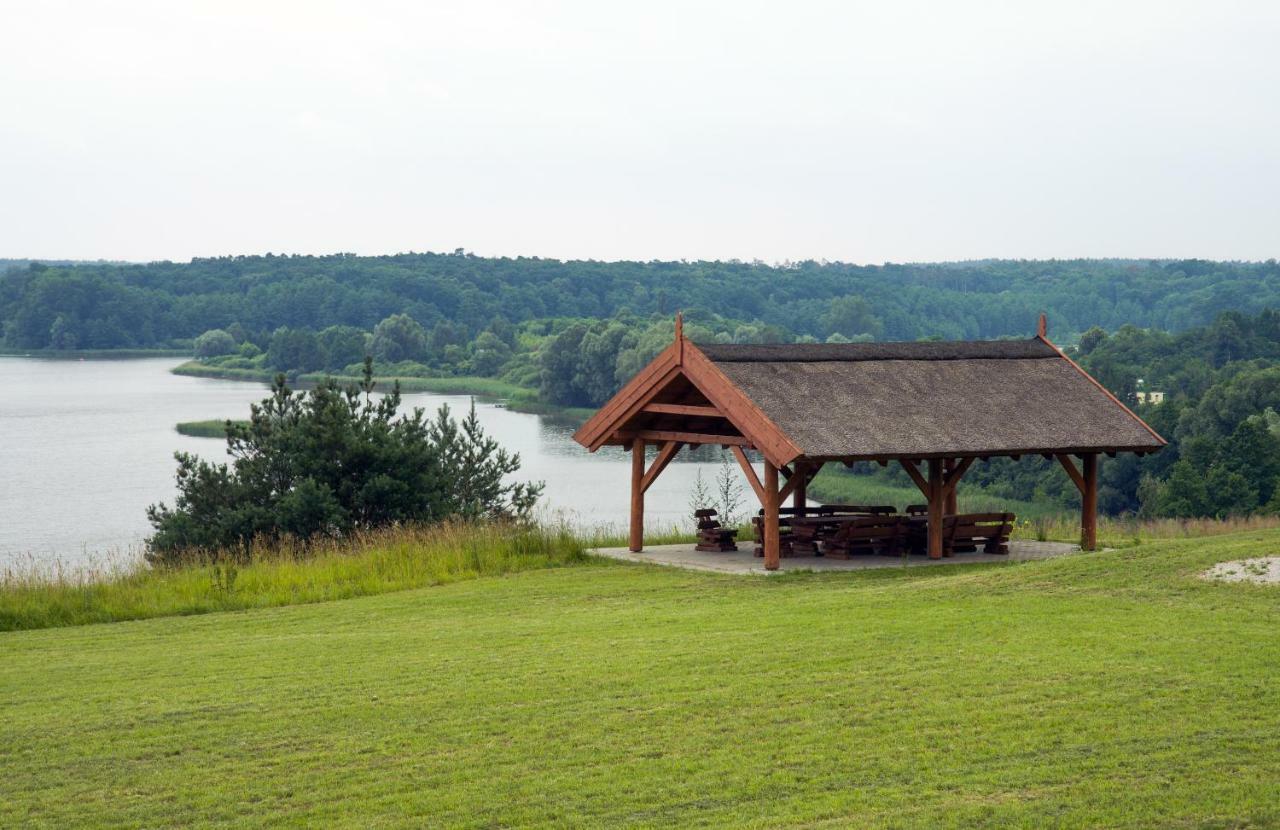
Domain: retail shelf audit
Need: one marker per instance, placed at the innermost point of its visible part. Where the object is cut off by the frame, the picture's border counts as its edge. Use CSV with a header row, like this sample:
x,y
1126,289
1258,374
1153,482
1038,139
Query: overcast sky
x,y
862,132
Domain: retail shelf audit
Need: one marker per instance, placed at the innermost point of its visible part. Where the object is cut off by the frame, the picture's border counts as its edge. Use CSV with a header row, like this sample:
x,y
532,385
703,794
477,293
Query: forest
x,y
1202,333
114,305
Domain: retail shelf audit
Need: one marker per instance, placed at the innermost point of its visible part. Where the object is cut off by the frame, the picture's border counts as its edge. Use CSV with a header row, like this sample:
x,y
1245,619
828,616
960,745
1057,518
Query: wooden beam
x,y
750,473
772,542
692,437
634,409
798,488
660,463
957,471
636,537
1070,467
700,411
742,412
1089,504
797,484
649,380
937,499
914,472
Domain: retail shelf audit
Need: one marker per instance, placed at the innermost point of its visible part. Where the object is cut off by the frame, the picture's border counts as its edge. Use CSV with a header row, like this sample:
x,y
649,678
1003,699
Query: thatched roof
x,y
930,398
857,352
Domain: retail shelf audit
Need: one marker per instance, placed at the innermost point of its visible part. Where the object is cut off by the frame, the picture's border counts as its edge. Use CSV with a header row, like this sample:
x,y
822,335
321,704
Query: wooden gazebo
x,y
934,407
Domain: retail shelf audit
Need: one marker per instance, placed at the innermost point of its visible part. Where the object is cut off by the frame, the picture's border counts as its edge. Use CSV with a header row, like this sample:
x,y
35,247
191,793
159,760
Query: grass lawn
x,y
1111,689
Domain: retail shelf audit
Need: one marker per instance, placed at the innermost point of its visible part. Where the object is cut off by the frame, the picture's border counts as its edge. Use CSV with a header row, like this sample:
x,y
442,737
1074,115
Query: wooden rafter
x,y
700,411
727,401
805,475
738,408
596,431
668,452
689,437
634,410
750,473
914,471
957,472
1072,470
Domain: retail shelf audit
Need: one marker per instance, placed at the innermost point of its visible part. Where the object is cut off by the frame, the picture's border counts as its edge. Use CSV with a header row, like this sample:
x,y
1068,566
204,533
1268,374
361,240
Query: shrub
x,y
397,338
214,343
330,462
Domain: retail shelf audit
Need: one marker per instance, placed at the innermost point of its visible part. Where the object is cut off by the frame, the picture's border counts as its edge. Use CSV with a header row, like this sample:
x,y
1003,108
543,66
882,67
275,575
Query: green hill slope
x,y
1112,689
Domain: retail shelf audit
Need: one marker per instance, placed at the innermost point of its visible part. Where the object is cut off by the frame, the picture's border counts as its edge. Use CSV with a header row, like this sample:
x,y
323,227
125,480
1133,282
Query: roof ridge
x,y
1022,349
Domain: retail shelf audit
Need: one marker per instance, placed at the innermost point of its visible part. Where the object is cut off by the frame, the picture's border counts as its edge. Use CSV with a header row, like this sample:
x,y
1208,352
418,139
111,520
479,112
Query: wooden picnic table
x,y
809,531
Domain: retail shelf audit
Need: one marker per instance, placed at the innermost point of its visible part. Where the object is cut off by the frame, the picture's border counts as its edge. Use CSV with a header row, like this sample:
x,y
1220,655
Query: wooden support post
x,y
937,501
1087,482
1089,503
637,494
952,500
799,498
772,544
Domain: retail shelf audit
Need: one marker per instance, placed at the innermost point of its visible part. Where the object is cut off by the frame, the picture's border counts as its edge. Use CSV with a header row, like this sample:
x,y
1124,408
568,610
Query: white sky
x,y
861,131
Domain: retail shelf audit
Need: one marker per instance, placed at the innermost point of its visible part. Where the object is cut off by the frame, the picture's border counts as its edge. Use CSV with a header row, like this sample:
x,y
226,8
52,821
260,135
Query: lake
x,y
86,445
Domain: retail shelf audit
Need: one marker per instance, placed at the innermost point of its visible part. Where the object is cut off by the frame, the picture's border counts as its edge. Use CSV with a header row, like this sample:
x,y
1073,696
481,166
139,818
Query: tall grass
x,y
287,574
1128,531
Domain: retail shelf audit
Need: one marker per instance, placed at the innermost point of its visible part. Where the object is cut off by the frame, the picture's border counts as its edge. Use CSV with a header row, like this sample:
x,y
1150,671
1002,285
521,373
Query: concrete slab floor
x,y
743,561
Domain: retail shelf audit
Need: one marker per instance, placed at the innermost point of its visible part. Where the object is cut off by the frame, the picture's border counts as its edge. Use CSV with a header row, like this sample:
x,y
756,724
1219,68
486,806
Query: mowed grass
x,y
1113,689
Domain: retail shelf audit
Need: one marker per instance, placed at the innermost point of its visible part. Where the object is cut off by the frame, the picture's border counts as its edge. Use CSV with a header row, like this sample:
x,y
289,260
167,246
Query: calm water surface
x,y
86,445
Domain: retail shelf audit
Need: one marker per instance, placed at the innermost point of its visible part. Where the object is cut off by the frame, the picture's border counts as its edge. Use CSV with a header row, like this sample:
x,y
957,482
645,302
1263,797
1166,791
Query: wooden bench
x,y
785,535
808,532
712,535
866,535
803,534
856,509
968,531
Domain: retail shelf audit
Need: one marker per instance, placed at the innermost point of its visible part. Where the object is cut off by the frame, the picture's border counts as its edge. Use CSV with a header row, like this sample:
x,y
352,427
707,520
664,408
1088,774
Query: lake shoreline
x,y
93,354
513,397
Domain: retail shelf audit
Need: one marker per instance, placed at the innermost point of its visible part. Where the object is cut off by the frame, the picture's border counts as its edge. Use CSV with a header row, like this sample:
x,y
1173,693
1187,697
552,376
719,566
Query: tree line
x,y
115,305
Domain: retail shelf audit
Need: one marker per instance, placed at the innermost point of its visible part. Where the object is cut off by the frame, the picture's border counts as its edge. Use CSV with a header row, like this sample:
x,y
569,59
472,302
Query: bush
x,y
214,343
397,338
295,350
334,461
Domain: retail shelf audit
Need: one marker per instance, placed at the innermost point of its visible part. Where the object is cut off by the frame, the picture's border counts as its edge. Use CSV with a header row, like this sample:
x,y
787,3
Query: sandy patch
x,y
1264,570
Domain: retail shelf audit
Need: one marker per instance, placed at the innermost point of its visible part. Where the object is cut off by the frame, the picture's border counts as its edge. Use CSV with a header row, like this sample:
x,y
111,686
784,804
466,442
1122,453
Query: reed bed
x,y
204,429
283,574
